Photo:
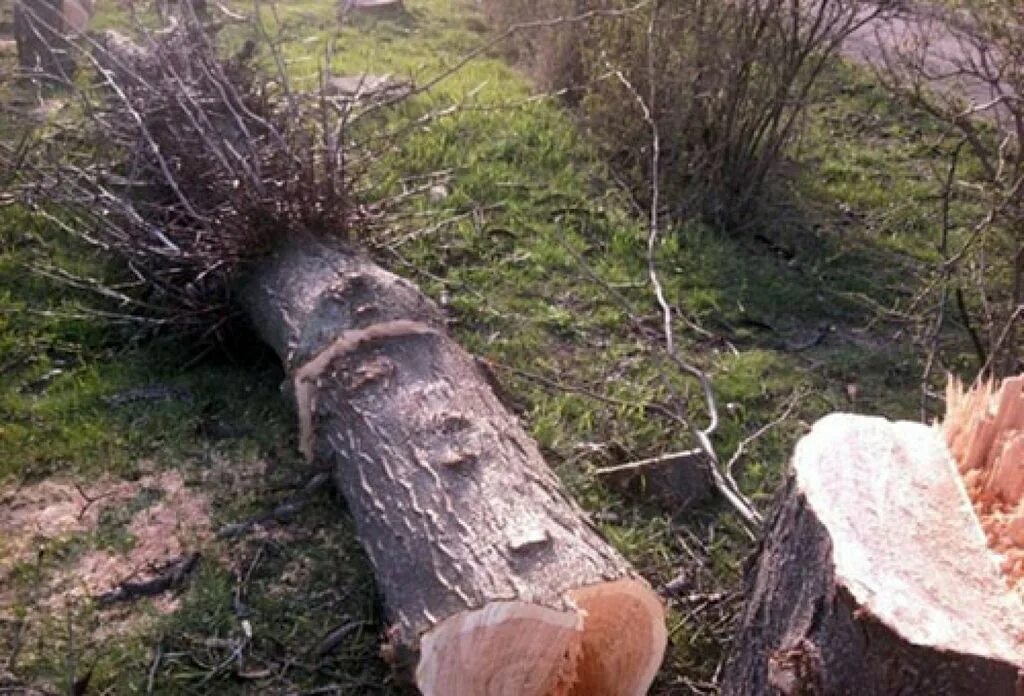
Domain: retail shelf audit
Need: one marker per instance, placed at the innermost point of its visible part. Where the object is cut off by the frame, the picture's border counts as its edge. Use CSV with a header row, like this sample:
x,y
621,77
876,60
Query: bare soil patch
x,y
167,521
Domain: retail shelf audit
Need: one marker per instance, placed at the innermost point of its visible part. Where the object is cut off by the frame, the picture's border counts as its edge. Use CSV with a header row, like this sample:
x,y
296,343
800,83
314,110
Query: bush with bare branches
x,y
964,67
725,83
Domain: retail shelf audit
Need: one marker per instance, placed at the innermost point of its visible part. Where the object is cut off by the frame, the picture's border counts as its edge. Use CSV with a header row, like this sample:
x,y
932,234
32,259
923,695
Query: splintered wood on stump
x,y
493,579
874,575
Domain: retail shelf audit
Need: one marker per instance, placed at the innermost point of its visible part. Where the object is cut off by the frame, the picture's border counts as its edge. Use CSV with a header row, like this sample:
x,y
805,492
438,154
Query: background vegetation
x,y
533,234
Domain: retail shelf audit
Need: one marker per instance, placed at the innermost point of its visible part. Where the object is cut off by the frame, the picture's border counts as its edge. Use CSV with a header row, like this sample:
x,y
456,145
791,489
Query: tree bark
x,y
41,28
874,576
493,579
37,25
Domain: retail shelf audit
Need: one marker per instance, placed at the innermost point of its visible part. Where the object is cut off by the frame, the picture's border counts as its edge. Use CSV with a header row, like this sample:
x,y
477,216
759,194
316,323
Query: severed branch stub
x,y
876,574
493,579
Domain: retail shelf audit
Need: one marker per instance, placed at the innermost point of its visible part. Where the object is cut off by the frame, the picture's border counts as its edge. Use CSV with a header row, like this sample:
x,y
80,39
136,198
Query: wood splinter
x,y
985,431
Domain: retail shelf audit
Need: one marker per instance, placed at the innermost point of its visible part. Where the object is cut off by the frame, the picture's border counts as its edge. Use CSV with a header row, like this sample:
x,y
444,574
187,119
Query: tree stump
x,y
493,579
374,8
41,32
874,575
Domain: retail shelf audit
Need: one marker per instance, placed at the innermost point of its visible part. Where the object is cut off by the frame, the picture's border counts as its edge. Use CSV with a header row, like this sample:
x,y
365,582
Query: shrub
x,y
726,83
963,65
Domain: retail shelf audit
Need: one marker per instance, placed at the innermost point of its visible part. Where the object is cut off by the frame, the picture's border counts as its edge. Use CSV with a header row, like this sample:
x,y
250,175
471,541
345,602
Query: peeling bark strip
x,y
308,378
494,580
874,576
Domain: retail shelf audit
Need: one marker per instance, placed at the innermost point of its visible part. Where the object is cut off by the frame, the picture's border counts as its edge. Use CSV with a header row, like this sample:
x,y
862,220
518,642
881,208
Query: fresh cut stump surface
x,y
888,566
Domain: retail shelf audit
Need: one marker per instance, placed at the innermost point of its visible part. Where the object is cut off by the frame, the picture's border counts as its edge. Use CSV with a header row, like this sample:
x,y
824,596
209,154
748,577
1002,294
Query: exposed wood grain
x,y
874,576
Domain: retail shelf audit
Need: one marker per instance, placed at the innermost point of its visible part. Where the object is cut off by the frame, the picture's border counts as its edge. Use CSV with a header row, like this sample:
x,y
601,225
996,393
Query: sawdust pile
x,y
167,520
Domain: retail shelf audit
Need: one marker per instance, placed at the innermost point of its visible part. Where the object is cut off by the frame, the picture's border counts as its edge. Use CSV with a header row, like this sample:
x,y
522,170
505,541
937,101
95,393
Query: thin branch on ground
x,y
722,483
791,405
670,458
158,654
173,576
282,513
650,406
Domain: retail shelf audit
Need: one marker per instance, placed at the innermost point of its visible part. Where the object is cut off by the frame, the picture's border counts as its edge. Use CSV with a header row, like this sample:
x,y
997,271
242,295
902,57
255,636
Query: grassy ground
x,y
529,219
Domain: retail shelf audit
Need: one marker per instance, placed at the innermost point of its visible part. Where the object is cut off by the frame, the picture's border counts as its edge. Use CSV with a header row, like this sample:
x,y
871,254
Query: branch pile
x,y
186,166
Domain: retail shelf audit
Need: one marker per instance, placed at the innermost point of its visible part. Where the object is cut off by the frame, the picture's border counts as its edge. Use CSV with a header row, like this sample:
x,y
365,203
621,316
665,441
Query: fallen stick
x,y
171,577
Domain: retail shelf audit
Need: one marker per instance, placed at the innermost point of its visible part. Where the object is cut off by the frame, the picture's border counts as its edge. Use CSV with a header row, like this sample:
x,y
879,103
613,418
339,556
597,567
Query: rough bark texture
x,y
40,31
873,576
37,26
452,499
308,293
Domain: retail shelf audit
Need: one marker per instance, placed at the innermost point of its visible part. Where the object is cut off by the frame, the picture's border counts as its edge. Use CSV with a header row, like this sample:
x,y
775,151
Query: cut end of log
x,y
984,428
623,638
611,644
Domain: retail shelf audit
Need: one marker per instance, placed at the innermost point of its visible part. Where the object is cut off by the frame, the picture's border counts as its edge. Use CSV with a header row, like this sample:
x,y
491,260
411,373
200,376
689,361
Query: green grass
x,y
528,204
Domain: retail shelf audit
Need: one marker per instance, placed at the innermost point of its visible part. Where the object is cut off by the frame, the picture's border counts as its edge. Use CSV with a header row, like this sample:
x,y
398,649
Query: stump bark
x,y
374,8
874,576
41,31
493,579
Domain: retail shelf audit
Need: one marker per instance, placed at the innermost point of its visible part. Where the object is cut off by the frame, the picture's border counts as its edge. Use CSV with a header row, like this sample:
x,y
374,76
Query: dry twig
x,y
726,487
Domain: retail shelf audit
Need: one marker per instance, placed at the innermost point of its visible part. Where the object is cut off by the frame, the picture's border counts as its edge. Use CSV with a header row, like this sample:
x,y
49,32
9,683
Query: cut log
x,y
493,579
874,576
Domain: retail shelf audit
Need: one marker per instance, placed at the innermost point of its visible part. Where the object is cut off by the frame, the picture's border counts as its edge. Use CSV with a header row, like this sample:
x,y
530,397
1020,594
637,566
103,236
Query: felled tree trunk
x,y
874,576
493,579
